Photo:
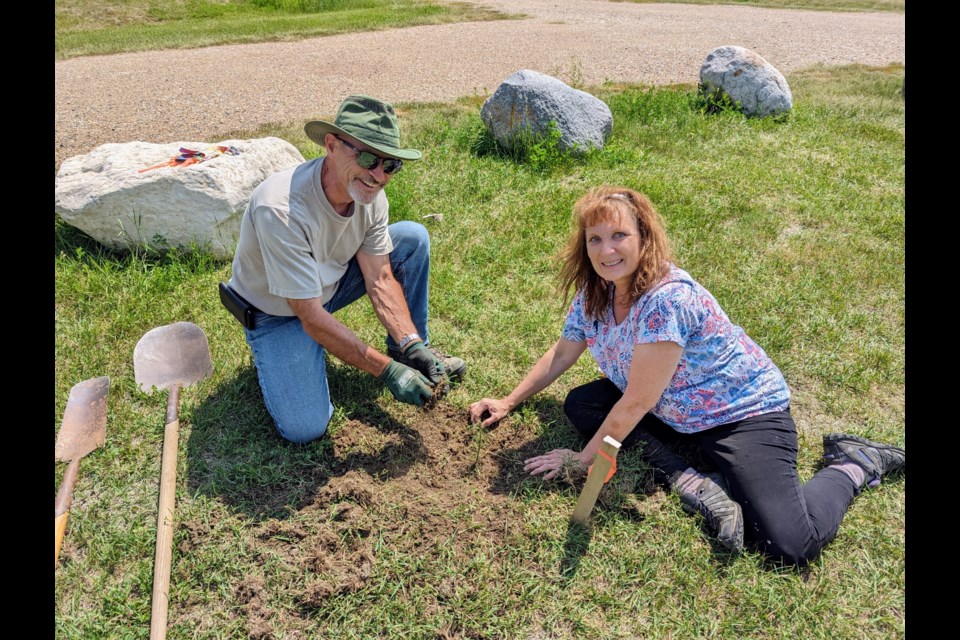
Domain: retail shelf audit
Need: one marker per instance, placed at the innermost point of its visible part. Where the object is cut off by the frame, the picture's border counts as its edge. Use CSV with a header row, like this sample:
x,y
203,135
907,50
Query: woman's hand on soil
x,y
494,410
551,462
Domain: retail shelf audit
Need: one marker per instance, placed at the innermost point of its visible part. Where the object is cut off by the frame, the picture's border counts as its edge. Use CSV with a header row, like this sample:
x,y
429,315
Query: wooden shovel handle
x,y
164,552
61,508
595,480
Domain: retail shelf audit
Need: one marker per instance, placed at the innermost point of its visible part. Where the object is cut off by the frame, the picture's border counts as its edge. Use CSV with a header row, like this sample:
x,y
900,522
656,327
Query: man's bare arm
x,y
336,338
386,295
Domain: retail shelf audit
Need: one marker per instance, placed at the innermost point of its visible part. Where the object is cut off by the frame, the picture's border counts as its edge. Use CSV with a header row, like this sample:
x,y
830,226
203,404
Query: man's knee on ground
x,y
302,431
409,233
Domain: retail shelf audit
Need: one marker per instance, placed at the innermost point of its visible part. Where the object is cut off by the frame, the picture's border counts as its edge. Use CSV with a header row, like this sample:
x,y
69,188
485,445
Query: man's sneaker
x,y
454,366
876,459
723,514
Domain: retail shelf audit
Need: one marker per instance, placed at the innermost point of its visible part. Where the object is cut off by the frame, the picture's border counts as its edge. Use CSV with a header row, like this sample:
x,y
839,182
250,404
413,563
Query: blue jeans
x,y
291,366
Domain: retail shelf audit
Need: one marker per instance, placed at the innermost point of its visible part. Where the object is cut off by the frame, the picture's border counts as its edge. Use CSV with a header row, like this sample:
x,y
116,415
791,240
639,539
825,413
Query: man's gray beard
x,y
361,197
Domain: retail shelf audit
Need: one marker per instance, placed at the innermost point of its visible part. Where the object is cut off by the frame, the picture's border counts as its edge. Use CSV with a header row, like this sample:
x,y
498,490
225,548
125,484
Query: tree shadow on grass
x,y
236,455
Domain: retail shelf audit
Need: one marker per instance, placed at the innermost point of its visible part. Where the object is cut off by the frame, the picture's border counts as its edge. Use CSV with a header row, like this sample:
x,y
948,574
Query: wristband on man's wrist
x,y
407,340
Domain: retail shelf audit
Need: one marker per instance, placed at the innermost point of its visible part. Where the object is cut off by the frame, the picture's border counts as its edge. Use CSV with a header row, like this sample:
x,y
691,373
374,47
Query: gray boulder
x,y
527,102
113,195
747,79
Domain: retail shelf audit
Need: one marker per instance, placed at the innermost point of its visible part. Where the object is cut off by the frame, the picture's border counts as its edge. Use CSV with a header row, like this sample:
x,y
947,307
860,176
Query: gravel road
x,y
199,94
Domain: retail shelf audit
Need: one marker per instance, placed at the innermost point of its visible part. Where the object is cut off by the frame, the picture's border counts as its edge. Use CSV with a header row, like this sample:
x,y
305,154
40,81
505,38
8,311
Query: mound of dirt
x,y
437,485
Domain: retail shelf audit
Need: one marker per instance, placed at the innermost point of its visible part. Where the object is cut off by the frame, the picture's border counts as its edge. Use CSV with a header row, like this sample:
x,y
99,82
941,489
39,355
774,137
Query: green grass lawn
x,y
407,523
94,27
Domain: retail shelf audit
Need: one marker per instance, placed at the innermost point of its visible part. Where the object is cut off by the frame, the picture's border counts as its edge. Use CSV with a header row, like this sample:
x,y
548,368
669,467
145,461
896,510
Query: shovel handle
x,y
596,479
61,508
164,552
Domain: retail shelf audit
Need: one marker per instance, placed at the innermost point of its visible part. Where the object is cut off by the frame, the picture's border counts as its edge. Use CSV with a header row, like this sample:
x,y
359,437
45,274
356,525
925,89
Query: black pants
x,y
786,520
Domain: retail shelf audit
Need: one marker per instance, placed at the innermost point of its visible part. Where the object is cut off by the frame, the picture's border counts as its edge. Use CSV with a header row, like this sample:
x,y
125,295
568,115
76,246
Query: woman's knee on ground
x,y
791,547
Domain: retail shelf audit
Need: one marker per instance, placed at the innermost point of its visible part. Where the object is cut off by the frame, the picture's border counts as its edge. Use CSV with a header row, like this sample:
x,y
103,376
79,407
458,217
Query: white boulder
x,y
113,195
751,82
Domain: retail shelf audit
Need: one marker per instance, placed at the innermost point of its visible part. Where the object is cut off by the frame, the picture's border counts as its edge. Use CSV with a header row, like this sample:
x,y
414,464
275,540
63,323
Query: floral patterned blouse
x,y
723,376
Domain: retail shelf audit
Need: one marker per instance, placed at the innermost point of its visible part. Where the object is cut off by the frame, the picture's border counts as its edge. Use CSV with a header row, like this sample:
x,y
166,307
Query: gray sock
x,y
687,481
853,470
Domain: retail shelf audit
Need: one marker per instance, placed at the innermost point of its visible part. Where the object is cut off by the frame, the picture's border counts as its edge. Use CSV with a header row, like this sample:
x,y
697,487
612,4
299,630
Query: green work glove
x,y
425,361
406,384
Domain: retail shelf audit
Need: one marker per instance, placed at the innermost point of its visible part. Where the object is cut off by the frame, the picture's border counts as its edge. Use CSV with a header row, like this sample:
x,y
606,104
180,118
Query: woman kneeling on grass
x,y
677,371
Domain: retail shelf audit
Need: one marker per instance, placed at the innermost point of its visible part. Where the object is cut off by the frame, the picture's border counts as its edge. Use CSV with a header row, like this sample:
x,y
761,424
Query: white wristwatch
x,y
407,339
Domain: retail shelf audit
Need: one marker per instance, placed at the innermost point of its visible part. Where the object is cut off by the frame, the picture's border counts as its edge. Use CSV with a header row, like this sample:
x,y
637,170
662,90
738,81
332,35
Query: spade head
x,y
174,354
84,420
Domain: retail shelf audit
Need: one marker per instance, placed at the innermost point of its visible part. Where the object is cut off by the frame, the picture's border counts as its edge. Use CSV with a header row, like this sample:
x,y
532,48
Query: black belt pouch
x,y
235,304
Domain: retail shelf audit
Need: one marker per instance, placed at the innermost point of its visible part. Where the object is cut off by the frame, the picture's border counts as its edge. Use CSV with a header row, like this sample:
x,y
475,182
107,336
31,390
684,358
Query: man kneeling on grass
x,y
315,238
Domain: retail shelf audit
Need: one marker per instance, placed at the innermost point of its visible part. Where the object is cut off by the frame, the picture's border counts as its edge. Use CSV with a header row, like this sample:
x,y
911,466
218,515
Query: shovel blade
x,y
174,354
84,425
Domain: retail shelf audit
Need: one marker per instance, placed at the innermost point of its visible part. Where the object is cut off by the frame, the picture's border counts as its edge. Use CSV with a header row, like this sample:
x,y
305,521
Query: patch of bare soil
x,y
251,592
436,481
437,486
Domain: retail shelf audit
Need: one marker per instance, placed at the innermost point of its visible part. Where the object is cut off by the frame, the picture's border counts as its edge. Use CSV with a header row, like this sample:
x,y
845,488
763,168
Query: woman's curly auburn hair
x,y
608,203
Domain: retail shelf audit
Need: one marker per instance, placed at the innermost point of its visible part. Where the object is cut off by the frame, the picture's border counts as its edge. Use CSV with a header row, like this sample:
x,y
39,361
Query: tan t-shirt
x,y
294,245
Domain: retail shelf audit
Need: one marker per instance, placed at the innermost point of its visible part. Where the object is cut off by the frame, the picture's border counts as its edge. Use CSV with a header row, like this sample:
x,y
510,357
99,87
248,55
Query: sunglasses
x,y
370,161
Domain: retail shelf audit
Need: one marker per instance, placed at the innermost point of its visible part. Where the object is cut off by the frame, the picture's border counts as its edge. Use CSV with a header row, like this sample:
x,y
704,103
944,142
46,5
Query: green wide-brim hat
x,y
371,121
